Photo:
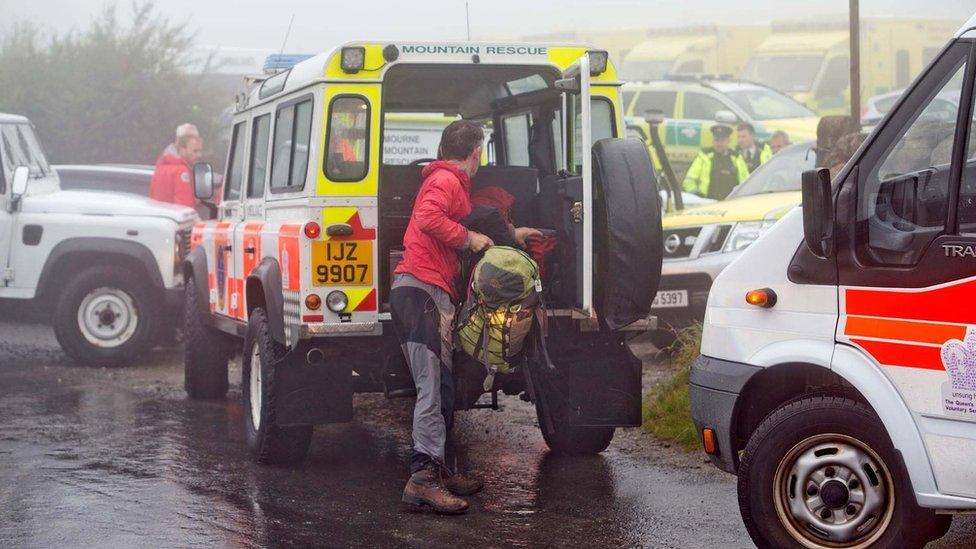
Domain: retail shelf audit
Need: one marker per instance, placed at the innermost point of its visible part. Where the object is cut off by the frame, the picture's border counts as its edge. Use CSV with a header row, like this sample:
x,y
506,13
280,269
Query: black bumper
x,y
714,390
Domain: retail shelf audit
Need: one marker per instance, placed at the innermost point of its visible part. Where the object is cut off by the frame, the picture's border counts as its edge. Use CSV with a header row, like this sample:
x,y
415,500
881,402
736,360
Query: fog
x,y
320,25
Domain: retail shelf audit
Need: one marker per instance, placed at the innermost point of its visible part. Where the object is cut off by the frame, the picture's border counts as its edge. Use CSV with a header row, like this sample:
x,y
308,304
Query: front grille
x,y
678,243
183,243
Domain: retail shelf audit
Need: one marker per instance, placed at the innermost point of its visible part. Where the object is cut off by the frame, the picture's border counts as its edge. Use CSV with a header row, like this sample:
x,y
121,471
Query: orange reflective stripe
x,y
903,330
903,354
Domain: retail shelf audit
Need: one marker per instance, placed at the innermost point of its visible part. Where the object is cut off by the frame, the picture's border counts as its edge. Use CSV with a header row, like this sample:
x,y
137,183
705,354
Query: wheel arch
x,y
263,289
852,375
81,253
195,268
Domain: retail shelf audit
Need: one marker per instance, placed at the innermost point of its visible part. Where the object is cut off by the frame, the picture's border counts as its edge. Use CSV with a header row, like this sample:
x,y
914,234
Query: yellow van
x,y
811,62
692,50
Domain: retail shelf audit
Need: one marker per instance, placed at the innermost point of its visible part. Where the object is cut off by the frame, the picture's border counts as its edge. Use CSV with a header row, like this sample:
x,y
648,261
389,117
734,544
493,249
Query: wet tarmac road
x,y
121,458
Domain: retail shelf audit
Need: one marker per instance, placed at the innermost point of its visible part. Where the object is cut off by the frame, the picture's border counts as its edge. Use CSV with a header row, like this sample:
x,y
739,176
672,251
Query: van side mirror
x,y
203,181
726,117
818,212
18,184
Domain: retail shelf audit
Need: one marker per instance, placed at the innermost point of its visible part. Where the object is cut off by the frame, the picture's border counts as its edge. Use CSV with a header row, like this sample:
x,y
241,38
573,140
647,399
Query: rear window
x,y
659,103
347,143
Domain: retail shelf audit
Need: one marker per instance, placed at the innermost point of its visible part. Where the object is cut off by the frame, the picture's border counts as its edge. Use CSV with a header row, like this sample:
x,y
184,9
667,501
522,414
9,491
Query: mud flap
x,y
312,394
595,382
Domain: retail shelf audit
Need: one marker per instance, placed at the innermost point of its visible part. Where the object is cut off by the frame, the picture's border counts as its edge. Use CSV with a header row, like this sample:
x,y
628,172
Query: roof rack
x,y
699,77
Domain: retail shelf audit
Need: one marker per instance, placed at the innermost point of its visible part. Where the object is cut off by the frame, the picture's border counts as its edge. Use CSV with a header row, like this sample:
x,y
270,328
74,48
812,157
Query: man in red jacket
x,y
172,180
423,304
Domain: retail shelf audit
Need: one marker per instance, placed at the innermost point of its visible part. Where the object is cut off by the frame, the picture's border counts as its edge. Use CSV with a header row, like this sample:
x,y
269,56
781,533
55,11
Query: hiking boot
x,y
461,485
426,487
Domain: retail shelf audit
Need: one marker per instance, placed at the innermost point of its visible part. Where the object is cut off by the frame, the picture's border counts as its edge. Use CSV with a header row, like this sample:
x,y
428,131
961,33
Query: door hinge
x,y
8,275
577,212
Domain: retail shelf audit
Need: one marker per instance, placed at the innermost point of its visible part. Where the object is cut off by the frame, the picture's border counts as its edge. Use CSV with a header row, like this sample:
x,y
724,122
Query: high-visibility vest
x,y
699,177
765,153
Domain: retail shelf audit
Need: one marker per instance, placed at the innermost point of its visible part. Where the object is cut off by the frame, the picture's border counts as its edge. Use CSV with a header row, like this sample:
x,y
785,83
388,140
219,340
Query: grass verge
x,y
667,410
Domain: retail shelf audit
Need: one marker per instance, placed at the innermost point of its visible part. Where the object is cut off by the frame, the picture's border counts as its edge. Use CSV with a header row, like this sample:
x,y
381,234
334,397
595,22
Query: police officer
x,y
755,153
716,170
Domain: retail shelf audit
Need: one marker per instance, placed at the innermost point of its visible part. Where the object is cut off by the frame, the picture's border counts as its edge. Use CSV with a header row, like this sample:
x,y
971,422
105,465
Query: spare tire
x,y
627,231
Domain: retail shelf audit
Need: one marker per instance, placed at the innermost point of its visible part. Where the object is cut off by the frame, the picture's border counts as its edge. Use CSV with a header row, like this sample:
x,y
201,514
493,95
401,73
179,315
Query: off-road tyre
x,y
269,444
206,350
560,437
132,291
811,426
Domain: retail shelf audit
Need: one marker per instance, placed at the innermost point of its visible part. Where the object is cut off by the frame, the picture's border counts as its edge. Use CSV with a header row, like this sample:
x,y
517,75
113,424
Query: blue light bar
x,y
283,61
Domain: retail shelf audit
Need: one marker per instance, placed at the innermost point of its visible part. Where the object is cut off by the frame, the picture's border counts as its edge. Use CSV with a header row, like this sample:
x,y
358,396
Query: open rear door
x,y
577,131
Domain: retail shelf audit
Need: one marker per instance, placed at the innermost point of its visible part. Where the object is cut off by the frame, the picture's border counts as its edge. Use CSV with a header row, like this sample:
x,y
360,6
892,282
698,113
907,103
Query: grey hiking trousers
x,y
423,317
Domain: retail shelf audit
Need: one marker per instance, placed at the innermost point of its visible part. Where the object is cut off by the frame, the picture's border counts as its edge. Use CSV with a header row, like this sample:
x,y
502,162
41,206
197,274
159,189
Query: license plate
x,y
670,299
342,263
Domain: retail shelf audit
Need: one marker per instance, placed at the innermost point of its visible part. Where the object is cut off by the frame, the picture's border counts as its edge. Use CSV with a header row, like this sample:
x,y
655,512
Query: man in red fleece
x,y
172,180
423,303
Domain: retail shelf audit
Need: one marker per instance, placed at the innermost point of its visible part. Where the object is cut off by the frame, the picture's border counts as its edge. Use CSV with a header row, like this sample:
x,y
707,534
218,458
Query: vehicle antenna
x,y
287,32
467,19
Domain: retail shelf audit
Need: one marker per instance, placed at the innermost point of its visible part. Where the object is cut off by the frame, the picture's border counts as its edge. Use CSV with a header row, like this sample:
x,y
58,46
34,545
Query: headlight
x,y
337,301
598,62
745,233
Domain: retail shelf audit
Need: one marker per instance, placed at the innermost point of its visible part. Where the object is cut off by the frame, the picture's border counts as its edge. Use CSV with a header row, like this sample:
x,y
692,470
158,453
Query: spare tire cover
x,y
627,231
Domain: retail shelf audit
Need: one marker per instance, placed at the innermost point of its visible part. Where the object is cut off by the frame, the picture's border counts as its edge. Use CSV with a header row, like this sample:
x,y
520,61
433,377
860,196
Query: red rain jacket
x,y
172,181
434,235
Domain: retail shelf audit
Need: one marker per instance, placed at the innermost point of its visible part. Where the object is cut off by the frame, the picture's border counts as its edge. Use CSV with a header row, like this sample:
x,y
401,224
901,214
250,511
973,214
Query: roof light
x,y
353,59
391,53
763,297
312,230
598,62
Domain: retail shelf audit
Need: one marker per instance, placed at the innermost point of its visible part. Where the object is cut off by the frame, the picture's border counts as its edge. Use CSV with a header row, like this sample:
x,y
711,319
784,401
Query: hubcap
x,y
832,490
107,317
255,386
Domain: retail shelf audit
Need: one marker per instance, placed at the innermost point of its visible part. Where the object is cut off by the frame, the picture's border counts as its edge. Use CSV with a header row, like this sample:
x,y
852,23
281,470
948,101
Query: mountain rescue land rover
x,y
838,369
311,223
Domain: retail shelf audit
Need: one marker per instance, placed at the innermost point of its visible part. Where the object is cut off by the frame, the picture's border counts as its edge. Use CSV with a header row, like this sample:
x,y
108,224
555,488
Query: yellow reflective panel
x,y
563,57
366,186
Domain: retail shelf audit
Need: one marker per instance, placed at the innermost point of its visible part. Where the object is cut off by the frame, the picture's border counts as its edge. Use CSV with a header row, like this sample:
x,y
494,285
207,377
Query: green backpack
x,y
503,298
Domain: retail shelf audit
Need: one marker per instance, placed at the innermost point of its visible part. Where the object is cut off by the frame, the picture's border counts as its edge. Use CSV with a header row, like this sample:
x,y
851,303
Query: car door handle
x,y
249,250
227,247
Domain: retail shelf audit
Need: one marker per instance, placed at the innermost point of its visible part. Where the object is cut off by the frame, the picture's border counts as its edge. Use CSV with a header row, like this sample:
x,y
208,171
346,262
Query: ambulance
x,y
692,50
811,61
837,375
295,274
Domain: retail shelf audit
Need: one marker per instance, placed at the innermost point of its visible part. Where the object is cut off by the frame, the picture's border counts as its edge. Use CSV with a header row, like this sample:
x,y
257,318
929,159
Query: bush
x,y
667,410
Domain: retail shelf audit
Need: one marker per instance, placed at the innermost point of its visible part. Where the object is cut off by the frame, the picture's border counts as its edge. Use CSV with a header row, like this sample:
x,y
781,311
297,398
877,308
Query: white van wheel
x,y
255,386
821,472
833,488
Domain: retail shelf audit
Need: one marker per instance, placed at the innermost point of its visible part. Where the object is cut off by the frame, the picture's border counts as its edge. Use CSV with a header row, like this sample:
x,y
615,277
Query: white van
x,y
838,368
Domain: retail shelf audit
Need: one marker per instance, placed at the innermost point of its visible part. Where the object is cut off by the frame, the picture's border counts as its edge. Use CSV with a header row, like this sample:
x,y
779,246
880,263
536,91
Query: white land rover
x,y
107,265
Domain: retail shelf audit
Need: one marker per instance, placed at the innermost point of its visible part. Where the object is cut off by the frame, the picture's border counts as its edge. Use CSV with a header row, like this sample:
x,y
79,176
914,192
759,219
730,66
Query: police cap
x,y
721,132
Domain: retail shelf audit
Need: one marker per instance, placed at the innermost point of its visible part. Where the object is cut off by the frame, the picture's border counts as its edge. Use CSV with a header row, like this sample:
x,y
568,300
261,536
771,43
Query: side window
x,y
516,131
660,103
292,134
347,144
903,196
699,106
836,77
235,163
602,117
258,165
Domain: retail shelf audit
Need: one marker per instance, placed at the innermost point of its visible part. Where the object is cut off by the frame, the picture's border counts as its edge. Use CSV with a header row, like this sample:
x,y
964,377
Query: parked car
x,y
691,104
105,265
945,106
699,242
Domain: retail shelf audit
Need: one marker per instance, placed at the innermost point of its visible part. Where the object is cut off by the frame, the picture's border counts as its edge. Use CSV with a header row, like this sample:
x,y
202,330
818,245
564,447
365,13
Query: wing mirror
x,y
203,181
18,185
818,212
726,117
